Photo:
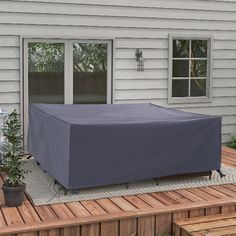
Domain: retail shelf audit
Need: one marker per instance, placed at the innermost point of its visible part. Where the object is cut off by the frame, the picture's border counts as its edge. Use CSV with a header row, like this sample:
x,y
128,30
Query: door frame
x,y
68,71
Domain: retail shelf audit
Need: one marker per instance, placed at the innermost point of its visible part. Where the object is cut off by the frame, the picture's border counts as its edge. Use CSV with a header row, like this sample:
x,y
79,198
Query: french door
x,y
67,72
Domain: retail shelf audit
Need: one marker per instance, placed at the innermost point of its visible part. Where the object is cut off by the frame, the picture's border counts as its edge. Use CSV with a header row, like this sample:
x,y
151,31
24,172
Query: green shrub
x,y
12,164
232,142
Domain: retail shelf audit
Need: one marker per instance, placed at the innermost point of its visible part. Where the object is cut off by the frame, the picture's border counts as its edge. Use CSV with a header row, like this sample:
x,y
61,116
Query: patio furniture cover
x,y
93,145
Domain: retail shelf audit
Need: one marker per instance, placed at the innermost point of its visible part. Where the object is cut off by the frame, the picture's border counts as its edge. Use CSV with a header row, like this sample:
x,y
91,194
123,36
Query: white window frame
x,y
199,99
68,70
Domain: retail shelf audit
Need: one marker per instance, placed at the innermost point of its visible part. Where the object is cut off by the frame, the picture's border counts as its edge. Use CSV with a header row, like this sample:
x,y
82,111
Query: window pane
x,y
198,87
180,87
180,48
180,68
46,72
198,68
90,73
199,49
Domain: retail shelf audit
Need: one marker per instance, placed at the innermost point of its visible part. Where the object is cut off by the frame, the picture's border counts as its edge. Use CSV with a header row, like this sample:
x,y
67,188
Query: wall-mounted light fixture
x,y
140,60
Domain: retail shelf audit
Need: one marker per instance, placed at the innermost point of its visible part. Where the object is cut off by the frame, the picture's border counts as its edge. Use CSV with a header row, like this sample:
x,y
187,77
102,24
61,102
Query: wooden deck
x,y
214,225
140,215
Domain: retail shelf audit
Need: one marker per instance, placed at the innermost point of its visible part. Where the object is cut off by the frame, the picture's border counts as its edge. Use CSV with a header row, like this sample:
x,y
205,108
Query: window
x,y
189,69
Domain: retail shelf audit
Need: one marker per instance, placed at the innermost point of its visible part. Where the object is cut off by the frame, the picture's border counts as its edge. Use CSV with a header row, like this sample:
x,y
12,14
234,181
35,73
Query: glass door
x,y
91,72
66,71
46,72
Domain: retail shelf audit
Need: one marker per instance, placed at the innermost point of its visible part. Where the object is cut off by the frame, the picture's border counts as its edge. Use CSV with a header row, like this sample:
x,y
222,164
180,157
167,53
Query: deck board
x,y
123,204
151,200
224,190
137,202
190,195
162,197
221,224
202,194
12,216
177,197
28,213
78,209
108,206
214,192
62,211
93,207
144,214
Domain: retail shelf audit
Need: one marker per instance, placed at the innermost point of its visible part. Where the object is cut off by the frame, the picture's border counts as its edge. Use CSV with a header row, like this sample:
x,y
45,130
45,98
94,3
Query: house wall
x,y
131,24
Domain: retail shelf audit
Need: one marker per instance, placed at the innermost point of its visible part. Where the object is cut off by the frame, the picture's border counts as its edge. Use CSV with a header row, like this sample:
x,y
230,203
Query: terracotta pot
x,y
14,195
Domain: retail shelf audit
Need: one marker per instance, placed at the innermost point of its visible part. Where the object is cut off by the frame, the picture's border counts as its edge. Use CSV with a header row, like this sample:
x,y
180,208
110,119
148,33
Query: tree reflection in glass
x,y
180,48
46,72
199,48
198,68
198,87
90,72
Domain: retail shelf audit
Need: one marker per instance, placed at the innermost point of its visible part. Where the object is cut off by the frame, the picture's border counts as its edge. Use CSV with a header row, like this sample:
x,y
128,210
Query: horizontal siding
x,y
9,52
131,24
98,10
9,75
155,53
9,41
147,93
163,63
160,4
146,74
224,63
219,110
218,104
222,44
8,97
225,138
123,84
10,72
107,21
9,86
105,32
225,54
9,64
228,128
224,73
149,64
224,82
156,43
133,94
10,107
223,92
230,120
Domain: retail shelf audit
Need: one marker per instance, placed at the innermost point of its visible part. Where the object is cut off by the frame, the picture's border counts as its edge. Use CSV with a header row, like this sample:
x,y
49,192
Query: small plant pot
x,y
14,195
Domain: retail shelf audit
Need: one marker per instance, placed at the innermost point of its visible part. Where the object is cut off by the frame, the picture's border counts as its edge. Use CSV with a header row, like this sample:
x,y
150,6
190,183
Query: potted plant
x,y
12,165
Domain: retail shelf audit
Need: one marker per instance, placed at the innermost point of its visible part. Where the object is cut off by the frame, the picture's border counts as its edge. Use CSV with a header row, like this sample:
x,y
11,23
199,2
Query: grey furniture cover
x,y
92,145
